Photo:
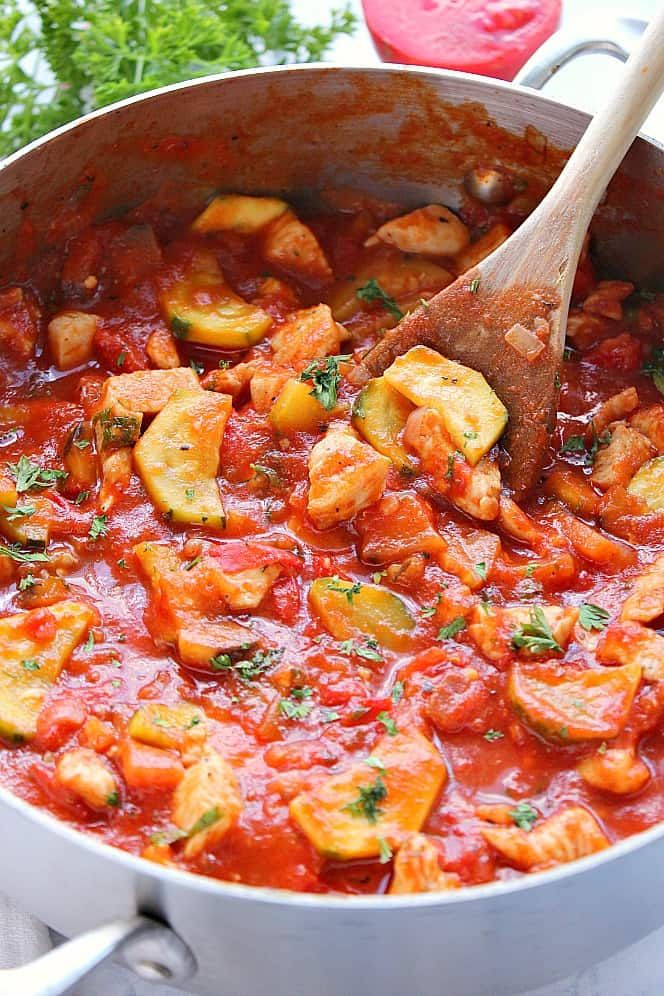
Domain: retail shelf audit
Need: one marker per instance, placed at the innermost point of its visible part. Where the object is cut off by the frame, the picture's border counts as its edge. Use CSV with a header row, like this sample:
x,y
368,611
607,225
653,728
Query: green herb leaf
x,y
452,629
575,444
385,851
30,475
593,616
524,816
368,651
99,528
30,664
16,552
492,735
27,582
329,715
536,635
347,588
654,368
372,292
375,762
296,710
112,799
209,817
481,570
81,497
14,512
389,724
324,375
474,285
397,691
367,804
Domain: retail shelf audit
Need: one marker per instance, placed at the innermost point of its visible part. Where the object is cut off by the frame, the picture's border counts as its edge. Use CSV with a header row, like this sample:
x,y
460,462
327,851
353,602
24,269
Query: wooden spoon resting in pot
x,y
507,316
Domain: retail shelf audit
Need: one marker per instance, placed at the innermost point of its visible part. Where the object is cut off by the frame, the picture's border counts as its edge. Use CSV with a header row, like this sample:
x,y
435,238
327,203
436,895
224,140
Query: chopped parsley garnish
x,y
198,368
329,715
122,356
480,570
299,709
368,651
30,664
593,616
372,292
397,691
112,799
359,407
246,670
224,364
536,635
30,475
14,512
378,576
16,552
81,497
654,368
470,435
492,735
117,431
325,377
192,563
575,444
384,851
386,720
81,444
347,588
27,582
474,285
368,801
267,473
524,816
99,528
452,629
375,762
190,494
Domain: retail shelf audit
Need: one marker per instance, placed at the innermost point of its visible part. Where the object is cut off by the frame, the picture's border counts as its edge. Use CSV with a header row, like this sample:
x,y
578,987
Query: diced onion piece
x,y
524,342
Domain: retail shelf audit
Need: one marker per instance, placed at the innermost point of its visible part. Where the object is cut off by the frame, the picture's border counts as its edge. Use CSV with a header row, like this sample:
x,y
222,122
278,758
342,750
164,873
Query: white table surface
x,y
639,971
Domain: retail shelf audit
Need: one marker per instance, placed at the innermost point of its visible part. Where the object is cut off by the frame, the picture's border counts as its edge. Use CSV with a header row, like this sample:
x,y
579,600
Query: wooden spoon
x,y
507,316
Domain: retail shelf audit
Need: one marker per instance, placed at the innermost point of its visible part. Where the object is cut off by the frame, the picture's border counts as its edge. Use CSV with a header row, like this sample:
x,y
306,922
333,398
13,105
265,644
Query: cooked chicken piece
x,y
207,802
71,337
567,835
243,590
306,335
475,490
519,525
145,391
607,297
492,628
162,351
618,770
650,422
583,329
417,868
594,546
345,476
619,461
430,231
231,381
290,244
20,317
625,642
116,471
266,384
614,408
88,776
647,599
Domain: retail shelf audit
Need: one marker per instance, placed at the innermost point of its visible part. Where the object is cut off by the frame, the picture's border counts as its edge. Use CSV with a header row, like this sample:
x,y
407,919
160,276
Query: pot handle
x,y
617,38
152,950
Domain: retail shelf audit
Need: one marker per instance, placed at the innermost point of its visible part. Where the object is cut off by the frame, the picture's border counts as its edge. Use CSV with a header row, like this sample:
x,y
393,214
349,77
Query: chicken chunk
x,y
207,802
232,380
89,777
616,407
475,490
19,321
650,422
267,381
625,642
567,835
345,476
116,471
417,868
607,297
619,461
244,590
306,335
433,230
71,337
290,244
493,628
145,391
162,351
647,599
618,770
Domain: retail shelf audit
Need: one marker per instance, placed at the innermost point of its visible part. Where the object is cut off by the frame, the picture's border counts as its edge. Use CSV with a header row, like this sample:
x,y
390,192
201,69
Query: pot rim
x,y
376,903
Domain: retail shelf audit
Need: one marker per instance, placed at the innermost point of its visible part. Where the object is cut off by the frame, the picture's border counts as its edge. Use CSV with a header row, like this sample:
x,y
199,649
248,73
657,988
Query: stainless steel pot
x,y
401,133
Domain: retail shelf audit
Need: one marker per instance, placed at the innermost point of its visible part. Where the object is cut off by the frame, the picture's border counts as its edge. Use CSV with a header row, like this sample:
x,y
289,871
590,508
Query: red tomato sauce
x,y
502,759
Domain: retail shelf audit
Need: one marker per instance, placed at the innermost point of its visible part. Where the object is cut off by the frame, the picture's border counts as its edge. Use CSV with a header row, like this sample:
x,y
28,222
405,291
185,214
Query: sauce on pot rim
x,y
273,627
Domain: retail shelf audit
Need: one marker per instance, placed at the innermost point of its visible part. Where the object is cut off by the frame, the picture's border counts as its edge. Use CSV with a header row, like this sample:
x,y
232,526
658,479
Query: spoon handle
x,y
565,213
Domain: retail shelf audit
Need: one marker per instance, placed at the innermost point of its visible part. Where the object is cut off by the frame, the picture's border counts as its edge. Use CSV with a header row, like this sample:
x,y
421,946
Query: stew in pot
x,y
269,625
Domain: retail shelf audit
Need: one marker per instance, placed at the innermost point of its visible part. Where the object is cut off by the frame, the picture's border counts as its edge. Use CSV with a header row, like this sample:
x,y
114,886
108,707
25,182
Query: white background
x,y
640,970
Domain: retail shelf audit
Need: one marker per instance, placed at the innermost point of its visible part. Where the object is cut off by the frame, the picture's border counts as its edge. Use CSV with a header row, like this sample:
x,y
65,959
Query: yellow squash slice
x,y
178,457
30,666
648,484
296,410
474,416
356,813
351,611
238,213
200,307
380,414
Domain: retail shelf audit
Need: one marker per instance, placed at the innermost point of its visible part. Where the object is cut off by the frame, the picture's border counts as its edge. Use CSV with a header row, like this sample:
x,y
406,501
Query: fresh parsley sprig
x,y
536,635
325,376
372,292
